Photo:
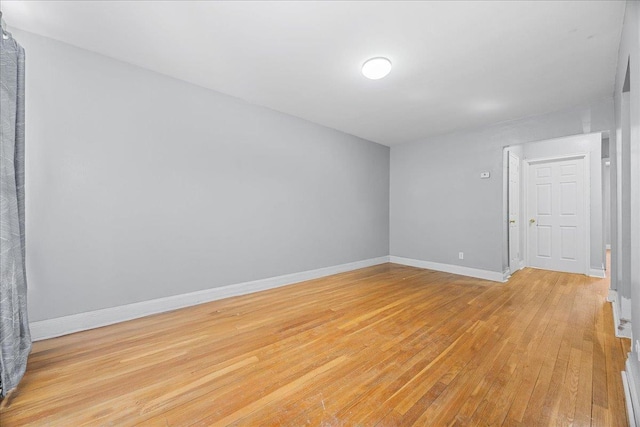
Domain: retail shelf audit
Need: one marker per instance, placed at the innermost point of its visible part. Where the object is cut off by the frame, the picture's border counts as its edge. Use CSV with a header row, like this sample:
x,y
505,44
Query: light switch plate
x,y
485,175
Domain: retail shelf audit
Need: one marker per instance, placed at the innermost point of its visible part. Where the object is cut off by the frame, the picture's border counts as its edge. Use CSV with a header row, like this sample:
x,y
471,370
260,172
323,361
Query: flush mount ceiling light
x,y
376,68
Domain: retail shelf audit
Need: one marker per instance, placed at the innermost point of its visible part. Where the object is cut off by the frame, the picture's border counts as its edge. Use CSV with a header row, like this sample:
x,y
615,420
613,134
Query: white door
x,y
556,214
514,213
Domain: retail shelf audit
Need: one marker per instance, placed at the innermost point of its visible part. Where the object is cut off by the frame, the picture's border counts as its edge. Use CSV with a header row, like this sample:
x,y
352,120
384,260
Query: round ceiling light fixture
x,y
376,68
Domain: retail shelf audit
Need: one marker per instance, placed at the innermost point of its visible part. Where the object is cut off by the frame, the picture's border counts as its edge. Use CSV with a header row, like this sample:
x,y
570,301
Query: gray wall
x,y
140,186
439,204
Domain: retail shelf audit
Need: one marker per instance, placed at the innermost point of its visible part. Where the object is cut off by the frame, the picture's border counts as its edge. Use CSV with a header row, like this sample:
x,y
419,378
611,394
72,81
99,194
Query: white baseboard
x,y
495,276
622,328
613,299
630,395
94,319
508,272
597,272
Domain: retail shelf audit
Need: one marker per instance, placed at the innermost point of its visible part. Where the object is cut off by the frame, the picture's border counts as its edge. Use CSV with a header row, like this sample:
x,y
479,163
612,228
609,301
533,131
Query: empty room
x,y
319,213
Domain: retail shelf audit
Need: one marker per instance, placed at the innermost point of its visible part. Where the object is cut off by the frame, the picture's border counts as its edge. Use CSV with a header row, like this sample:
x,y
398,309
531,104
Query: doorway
x,y
574,168
557,212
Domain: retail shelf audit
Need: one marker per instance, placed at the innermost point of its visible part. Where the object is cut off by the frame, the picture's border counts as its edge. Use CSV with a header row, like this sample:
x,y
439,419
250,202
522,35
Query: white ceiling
x,y
455,64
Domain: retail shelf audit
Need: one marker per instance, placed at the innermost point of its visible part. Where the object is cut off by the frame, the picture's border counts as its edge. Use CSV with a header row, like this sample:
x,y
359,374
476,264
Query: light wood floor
x,y
383,346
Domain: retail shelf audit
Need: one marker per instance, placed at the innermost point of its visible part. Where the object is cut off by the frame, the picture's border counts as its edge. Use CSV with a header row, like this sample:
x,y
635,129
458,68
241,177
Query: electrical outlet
x,y
461,255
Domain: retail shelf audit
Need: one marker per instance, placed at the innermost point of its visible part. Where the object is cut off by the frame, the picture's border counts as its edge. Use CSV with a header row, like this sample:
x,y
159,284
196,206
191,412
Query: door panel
x,y
544,199
568,250
568,199
514,212
544,241
557,216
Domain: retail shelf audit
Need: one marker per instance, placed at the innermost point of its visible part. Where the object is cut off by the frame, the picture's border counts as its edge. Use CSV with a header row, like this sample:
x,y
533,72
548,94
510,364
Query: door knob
x,y
513,221
531,221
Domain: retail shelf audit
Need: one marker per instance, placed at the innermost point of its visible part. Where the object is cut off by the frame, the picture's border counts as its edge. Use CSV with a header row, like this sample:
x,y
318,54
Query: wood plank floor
x,y
388,345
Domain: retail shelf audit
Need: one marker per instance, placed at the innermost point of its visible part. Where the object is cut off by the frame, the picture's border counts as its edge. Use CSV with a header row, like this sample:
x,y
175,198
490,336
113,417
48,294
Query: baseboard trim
x,y
494,276
621,327
597,272
59,326
630,394
508,272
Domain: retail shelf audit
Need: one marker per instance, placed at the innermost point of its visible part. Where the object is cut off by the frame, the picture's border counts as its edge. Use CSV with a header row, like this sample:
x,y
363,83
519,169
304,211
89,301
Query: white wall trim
x,y
597,272
621,327
613,299
449,268
630,394
625,308
94,319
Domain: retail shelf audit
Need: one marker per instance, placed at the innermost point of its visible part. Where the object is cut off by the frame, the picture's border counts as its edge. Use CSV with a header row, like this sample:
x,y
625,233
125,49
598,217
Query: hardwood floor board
x,y
601,417
387,345
615,398
568,408
346,345
600,396
459,400
413,414
435,371
427,356
565,406
320,402
478,369
362,409
560,369
512,423
152,398
550,350
531,349
585,385
287,390
502,393
163,371
476,418
233,400
527,332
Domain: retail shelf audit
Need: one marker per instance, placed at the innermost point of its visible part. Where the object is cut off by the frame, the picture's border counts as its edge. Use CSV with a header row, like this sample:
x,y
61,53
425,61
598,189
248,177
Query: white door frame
x,y
520,260
526,163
